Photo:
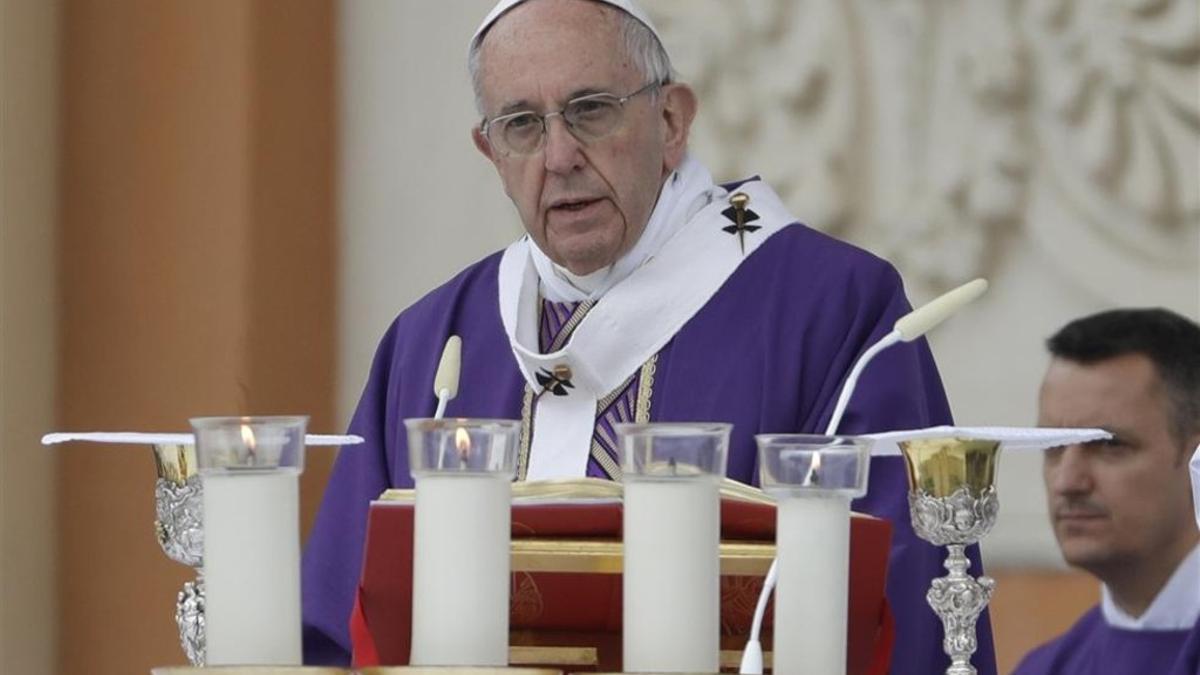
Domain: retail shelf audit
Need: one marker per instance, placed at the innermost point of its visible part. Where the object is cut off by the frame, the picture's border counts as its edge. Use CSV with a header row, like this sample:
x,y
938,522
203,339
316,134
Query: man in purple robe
x,y
1122,509
643,291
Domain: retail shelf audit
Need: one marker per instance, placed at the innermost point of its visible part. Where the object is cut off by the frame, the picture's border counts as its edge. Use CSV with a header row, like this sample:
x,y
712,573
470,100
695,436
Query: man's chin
x,y
1085,553
584,258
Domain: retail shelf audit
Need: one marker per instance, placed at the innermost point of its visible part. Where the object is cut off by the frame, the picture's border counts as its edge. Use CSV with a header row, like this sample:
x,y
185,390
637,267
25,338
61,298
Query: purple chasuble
x,y
767,353
1092,647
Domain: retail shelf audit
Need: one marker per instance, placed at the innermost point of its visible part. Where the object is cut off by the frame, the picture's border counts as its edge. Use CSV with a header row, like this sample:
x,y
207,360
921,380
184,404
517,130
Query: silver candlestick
x,y
953,503
178,524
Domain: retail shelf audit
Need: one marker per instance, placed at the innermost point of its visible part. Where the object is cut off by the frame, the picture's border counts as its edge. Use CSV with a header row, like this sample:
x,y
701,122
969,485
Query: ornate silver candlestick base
x,y
953,503
178,524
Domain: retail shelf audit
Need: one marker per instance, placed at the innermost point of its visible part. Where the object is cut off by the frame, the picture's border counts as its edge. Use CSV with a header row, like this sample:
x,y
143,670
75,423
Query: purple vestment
x,y
768,353
1092,647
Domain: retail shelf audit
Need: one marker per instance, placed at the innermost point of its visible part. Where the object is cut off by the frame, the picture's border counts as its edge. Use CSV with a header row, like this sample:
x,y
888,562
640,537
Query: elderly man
x,y
1122,509
642,292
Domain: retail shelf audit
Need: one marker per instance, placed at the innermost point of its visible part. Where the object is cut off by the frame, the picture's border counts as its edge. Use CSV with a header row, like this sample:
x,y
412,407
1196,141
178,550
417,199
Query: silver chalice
x,y
952,501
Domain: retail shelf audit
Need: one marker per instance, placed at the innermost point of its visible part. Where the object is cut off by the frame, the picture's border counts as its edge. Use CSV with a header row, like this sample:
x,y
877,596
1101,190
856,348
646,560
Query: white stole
x,y
633,321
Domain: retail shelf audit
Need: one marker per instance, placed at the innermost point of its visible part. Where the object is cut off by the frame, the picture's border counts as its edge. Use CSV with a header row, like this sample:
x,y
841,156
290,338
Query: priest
x,y
642,291
1122,509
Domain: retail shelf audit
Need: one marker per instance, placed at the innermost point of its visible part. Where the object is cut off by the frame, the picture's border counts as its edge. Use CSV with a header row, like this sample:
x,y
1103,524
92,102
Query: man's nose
x,y
563,152
1071,472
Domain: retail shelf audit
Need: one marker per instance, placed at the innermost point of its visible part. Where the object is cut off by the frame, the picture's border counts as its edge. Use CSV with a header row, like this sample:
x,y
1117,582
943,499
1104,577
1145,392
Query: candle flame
x,y
248,436
462,440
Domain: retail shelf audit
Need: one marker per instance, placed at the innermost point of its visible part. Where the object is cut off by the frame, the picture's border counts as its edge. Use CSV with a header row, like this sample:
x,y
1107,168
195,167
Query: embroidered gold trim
x,y
526,433
641,414
568,328
603,403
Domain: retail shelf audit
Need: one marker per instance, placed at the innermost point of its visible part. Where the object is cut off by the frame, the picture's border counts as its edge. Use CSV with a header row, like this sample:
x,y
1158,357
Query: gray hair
x,y
642,47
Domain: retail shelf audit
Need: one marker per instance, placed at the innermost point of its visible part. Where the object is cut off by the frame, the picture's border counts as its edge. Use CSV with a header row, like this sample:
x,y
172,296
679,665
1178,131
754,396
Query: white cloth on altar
x,y
141,438
1011,438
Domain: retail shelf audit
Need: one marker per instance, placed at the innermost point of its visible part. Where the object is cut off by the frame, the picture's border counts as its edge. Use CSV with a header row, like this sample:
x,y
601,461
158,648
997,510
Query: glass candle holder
x,y
672,535
249,471
463,469
813,479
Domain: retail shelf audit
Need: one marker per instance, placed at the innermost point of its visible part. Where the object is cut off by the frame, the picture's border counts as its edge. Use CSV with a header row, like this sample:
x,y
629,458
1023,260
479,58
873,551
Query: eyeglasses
x,y
589,118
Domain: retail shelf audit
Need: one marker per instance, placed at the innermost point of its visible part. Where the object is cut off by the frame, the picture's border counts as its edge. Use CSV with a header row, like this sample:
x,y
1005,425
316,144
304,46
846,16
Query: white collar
x,y
688,189
584,283
1176,607
1195,468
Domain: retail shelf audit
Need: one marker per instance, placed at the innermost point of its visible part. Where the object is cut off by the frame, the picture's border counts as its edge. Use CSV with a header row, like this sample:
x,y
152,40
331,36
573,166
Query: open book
x,y
589,490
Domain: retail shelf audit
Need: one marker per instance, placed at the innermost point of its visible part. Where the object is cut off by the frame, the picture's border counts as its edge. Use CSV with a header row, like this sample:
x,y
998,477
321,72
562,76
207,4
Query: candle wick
x,y
673,467
813,477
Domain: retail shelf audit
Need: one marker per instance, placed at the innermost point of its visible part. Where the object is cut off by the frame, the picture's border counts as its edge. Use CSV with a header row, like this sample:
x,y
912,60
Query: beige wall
x,y
197,254
28,207
417,201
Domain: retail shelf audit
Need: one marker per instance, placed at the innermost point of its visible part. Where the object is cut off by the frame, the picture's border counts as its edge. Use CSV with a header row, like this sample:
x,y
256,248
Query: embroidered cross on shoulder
x,y
741,217
556,382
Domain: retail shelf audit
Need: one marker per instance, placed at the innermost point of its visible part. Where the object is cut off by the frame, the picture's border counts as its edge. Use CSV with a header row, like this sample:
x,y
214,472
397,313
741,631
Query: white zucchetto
x,y
628,6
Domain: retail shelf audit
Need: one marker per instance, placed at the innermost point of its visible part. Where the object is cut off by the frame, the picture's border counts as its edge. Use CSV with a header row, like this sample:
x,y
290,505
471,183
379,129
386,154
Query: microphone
x,y
445,382
906,329
927,317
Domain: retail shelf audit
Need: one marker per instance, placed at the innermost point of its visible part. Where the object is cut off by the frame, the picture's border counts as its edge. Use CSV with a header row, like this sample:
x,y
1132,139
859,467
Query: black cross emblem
x,y
556,382
741,218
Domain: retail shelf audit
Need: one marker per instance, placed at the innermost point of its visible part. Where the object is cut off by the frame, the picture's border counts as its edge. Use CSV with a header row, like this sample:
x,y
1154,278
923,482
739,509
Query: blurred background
x,y
217,208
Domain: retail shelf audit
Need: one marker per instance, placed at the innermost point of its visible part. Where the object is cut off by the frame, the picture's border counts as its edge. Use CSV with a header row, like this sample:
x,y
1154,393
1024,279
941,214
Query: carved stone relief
x,y
933,129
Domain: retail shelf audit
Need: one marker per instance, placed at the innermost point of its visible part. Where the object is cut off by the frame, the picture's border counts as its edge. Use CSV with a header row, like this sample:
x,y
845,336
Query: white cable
x,y
443,399
752,656
852,380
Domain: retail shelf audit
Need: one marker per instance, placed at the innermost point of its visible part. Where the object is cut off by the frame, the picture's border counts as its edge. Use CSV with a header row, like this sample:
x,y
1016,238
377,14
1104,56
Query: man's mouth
x,y
571,205
1077,516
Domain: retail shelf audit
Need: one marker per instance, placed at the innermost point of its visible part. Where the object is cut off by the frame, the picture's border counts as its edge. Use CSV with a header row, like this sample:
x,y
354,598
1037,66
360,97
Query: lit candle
x,y
251,538
461,542
672,537
813,547
813,479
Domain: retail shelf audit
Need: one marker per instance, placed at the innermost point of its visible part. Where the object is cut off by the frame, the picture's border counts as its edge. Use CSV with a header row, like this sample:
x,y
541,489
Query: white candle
x,y
252,567
813,539
461,569
672,594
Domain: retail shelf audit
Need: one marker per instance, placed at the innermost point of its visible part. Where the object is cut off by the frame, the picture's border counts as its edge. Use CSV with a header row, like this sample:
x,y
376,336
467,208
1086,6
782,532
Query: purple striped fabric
x,y
620,410
554,319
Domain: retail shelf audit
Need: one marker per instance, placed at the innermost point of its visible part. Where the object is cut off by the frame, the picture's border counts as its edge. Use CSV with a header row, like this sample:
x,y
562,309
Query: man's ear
x,y
679,109
482,145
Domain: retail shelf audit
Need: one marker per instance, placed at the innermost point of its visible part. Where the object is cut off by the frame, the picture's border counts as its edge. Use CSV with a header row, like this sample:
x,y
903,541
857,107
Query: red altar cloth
x,y
585,609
